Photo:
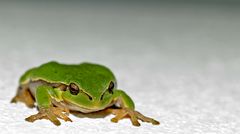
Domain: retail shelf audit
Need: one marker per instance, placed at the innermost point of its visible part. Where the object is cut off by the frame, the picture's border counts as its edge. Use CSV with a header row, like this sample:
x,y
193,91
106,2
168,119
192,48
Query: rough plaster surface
x,y
180,63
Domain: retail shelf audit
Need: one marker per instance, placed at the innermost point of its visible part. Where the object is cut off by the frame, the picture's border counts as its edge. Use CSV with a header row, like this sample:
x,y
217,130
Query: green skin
x,y
92,79
84,87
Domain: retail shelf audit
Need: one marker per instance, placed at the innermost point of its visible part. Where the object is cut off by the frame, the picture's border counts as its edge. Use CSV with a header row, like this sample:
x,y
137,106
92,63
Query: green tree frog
x,y
59,89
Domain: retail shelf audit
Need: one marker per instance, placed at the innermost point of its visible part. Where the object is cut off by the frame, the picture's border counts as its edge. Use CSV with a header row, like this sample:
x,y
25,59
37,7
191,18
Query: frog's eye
x,y
74,90
111,87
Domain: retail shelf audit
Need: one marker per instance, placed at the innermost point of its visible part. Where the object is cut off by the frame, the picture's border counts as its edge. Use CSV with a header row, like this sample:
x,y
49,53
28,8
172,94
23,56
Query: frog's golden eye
x,y
111,87
73,88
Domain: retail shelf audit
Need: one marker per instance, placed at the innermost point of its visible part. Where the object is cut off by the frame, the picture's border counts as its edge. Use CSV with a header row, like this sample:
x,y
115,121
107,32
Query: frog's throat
x,y
74,107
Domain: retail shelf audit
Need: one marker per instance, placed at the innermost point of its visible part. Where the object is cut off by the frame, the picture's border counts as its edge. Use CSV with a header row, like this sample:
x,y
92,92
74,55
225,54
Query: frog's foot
x,y
24,95
51,114
132,114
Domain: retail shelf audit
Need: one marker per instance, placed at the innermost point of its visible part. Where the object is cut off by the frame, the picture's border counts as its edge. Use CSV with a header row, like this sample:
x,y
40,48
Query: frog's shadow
x,y
98,114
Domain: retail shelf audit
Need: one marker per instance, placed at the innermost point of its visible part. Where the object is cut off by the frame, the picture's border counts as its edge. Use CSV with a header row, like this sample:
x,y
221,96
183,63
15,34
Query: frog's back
x,y
55,72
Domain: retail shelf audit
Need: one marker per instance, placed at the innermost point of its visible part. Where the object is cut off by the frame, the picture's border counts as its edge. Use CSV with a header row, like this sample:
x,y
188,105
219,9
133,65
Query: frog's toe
x,y
146,119
133,115
51,114
122,113
59,113
119,115
35,117
44,114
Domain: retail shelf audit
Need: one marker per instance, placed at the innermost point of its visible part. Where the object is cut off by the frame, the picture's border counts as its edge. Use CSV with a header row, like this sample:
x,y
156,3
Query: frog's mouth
x,y
74,107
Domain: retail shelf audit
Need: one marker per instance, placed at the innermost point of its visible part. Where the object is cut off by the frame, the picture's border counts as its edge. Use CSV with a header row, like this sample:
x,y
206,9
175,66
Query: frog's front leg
x,y
127,110
46,108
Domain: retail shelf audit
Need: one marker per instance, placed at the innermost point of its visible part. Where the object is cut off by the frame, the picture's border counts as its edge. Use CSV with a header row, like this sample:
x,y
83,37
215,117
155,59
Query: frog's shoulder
x,y
54,72
33,72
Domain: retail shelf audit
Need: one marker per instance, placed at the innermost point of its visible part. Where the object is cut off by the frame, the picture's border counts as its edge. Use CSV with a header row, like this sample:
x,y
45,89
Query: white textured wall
x,y
179,62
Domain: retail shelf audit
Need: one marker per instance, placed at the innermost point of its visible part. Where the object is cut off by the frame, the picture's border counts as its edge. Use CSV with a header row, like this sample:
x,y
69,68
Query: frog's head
x,y
91,87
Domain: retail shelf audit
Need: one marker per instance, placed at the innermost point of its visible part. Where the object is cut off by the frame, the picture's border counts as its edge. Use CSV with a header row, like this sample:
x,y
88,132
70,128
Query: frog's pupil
x,y
74,90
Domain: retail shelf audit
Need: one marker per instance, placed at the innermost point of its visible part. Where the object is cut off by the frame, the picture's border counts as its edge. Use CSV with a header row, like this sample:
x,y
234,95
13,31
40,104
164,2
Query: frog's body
x,y
59,89
92,79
